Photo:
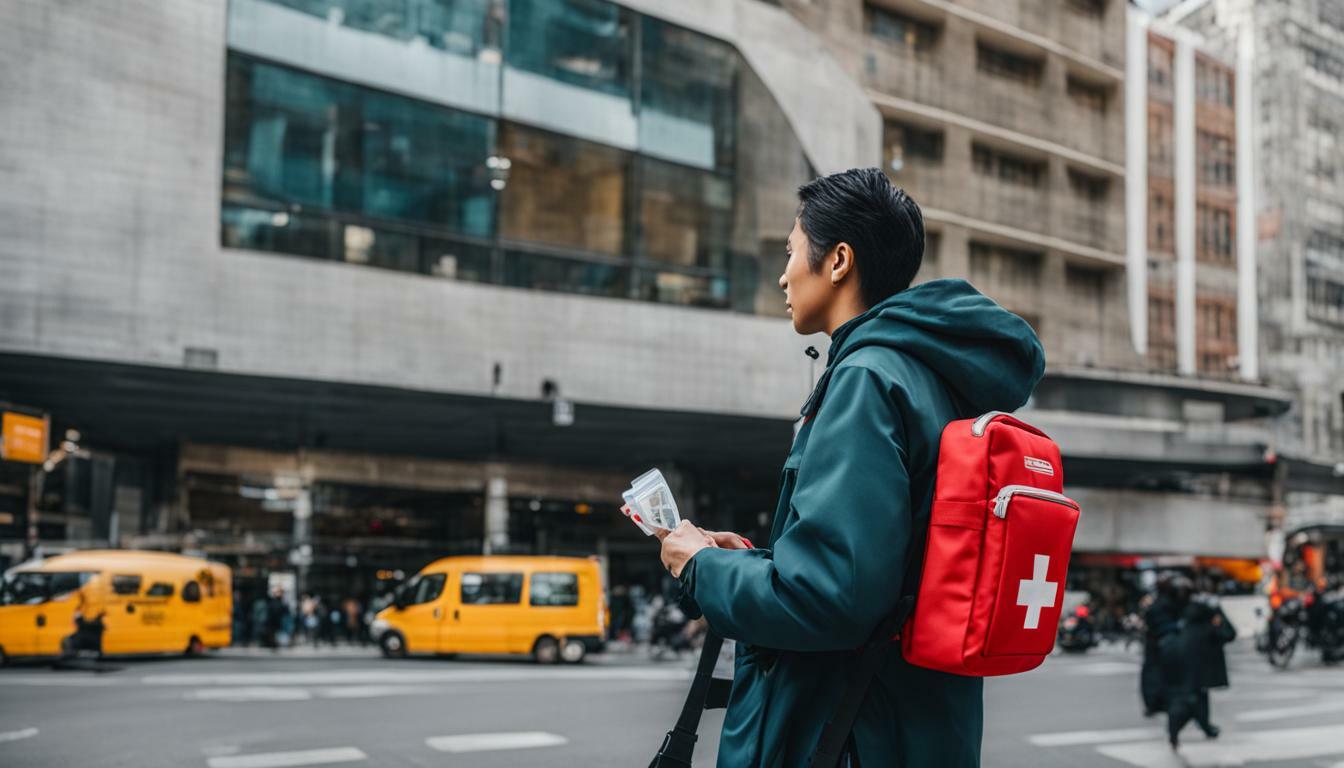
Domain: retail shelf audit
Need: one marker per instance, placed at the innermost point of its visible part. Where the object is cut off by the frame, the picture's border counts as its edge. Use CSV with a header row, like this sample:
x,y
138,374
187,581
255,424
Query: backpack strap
x,y
835,736
679,743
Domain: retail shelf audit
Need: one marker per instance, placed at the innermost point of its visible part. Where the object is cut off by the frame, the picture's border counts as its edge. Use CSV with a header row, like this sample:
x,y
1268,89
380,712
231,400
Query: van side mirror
x,y
399,602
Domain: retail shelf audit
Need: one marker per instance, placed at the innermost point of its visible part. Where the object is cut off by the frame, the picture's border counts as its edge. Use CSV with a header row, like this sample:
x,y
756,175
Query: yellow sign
x,y
24,438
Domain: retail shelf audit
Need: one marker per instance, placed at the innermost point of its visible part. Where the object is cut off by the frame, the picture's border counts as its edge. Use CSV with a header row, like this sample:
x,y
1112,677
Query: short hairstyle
x,y
881,223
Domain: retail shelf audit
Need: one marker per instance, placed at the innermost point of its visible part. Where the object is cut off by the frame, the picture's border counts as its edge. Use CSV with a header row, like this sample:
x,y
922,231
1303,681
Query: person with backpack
x,y
856,494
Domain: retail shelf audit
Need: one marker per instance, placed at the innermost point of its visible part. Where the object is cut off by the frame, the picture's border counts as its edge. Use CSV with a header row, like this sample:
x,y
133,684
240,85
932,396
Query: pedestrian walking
x,y
1161,617
1194,662
856,489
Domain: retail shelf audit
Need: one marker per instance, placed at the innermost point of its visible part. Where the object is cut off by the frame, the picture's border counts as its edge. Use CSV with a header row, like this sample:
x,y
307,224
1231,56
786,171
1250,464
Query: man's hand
x,y
727,539
680,545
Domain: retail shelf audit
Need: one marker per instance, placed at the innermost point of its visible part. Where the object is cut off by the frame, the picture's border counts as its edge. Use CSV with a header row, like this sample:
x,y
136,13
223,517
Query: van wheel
x,y
546,650
573,651
393,645
195,647
3,657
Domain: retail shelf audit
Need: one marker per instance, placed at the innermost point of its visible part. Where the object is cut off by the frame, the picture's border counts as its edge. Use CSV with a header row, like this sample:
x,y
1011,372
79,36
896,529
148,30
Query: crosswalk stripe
x,y
289,759
1285,713
486,742
1074,738
1233,749
22,733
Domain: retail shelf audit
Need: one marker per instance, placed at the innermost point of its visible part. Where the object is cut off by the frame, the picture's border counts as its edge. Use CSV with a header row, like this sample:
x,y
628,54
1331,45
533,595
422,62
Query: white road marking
x,y
253,693
374,691
486,742
420,677
22,733
1074,738
1104,668
1233,749
289,759
1285,713
56,682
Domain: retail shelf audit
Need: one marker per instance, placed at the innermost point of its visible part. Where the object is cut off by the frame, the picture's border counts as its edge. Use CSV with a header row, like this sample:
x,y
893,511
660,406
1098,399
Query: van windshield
x,y
33,587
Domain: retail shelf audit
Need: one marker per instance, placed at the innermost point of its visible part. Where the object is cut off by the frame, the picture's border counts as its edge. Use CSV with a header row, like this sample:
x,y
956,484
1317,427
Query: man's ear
x,y
842,262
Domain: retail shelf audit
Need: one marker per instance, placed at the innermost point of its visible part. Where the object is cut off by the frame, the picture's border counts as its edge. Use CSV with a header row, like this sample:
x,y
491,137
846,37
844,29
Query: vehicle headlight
x,y
378,627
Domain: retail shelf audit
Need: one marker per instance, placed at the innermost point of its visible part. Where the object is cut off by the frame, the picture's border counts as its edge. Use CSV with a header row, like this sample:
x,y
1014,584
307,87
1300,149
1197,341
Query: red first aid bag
x,y
997,551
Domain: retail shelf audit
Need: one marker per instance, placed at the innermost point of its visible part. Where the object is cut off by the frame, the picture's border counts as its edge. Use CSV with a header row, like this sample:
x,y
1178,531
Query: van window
x,y
159,589
126,585
492,588
191,592
554,589
425,588
33,587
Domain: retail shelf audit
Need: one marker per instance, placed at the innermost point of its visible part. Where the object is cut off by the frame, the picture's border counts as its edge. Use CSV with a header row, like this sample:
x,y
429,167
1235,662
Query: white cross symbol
x,y
1037,593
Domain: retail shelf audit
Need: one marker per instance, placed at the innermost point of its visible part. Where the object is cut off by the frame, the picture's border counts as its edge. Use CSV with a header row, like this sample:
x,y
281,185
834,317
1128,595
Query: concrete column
x,y
301,548
1248,326
1136,176
496,512
1183,109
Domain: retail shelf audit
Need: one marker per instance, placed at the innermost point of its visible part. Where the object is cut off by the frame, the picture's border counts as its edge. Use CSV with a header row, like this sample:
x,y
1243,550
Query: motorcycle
x,y
1314,619
1076,632
669,632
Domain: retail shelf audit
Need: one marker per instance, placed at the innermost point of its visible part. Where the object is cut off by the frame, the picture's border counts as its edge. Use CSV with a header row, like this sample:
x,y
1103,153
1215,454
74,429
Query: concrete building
x,y
1294,73
336,287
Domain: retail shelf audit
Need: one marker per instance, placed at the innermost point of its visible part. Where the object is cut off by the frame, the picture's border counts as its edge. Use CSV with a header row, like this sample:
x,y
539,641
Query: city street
x,y
251,710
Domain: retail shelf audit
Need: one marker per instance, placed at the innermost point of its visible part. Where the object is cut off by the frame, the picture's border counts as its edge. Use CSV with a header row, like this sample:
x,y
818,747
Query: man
x,y
856,490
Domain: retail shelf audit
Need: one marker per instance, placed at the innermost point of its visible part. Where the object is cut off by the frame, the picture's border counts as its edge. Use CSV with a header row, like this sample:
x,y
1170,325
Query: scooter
x,y
1316,619
1076,632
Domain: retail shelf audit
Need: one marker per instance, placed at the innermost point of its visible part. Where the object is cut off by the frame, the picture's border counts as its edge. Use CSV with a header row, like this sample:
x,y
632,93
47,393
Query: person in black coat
x,y
1193,662
1160,618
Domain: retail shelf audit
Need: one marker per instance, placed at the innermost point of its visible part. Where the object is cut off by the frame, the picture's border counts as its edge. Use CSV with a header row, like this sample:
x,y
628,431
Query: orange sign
x,y
24,438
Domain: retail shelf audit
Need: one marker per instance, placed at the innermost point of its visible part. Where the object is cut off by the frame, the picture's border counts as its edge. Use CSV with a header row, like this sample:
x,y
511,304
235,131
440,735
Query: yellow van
x,y
550,607
115,602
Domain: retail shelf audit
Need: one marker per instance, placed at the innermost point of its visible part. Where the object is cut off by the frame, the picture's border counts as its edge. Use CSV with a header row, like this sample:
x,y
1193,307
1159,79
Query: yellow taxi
x,y
115,602
550,607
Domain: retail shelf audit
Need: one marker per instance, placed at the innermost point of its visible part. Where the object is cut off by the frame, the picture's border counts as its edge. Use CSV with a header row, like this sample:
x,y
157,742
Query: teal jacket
x,y
856,488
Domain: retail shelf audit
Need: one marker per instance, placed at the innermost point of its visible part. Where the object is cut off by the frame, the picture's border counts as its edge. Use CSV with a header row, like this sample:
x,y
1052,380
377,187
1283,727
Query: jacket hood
x,y
989,357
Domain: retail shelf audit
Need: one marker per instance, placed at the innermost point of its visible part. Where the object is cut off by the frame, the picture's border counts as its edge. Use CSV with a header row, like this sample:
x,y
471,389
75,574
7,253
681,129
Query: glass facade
x,y
607,168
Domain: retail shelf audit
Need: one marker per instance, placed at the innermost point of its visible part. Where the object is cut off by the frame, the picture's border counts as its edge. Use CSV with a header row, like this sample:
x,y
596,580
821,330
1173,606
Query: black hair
x,y
881,223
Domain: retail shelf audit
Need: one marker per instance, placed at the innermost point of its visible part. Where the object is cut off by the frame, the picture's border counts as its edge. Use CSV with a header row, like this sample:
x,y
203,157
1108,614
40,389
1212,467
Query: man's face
x,y
806,293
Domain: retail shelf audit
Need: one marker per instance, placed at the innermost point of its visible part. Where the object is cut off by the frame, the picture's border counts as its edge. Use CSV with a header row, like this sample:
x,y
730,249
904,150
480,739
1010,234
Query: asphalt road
x,y
353,708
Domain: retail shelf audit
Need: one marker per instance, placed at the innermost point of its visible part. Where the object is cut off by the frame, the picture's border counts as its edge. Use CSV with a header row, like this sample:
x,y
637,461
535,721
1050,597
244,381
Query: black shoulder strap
x,y
835,735
679,743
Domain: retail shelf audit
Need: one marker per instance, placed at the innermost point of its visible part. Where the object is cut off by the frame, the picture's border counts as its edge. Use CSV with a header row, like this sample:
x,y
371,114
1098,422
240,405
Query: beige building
x,y
1005,121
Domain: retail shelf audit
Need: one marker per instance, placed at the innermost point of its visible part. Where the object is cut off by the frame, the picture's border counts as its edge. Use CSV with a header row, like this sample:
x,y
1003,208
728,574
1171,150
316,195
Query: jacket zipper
x,y
1007,492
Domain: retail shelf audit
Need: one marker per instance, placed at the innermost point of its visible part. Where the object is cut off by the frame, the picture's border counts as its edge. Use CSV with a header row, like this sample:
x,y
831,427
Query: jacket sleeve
x,y
836,572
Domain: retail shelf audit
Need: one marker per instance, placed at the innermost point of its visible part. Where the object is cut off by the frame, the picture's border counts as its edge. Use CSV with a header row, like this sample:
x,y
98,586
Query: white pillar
x,y
1183,108
1136,175
496,513
1248,321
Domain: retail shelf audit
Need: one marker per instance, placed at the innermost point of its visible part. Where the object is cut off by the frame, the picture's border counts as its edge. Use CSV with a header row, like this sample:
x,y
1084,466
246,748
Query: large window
x,y
687,103
457,26
997,266
685,215
622,185
906,143
1013,169
581,42
492,588
900,29
1007,64
563,191
293,139
1216,161
554,589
